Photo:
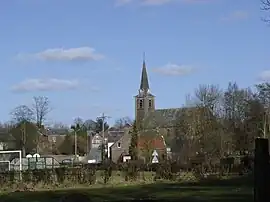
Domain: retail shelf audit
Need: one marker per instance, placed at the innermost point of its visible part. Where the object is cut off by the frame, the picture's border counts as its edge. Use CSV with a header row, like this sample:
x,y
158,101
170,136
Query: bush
x,y
164,171
87,174
83,175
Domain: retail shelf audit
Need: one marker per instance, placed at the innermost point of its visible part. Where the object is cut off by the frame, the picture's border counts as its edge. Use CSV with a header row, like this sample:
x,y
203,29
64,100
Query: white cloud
x,y
264,76
61,54
122,2
174,70
50,84
197,1
143,2
156,2
236,16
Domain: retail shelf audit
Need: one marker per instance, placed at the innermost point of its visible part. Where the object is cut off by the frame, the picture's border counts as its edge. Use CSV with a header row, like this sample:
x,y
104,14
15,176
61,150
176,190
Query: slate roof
x,y
6,136
162,118
115,134
144,79
57,131
166,118
144,85
95,154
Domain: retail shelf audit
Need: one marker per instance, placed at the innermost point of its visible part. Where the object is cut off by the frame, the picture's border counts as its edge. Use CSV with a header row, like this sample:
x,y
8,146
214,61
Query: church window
x,y
141,104
168,132
119,145
150,103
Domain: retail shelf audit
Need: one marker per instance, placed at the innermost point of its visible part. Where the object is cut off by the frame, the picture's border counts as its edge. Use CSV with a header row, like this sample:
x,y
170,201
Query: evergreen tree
x,y
133,148
67,146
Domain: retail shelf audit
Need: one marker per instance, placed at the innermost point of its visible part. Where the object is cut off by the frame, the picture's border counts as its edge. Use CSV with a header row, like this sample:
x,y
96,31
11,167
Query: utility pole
x,y
75,144
75,128
23,137
88,139
105,147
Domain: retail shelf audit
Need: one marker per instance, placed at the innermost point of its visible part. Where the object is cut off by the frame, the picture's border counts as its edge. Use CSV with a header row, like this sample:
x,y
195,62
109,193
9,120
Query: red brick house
x,y
147,144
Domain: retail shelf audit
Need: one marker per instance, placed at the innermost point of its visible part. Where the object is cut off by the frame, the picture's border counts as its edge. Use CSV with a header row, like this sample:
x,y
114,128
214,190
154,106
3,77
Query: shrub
x,y
164,171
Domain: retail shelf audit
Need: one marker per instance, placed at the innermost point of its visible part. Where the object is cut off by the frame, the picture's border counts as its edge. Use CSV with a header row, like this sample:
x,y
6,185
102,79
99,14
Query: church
x,y
159,129
145,109
155,124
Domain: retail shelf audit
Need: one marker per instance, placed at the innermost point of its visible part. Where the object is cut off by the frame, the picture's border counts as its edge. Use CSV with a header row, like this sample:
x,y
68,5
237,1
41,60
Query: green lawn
x,y
218,191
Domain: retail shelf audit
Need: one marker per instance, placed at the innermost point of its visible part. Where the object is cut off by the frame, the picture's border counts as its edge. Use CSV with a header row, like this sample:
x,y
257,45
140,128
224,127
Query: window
x,y
1,146
54,139
119,144
150,103
141,104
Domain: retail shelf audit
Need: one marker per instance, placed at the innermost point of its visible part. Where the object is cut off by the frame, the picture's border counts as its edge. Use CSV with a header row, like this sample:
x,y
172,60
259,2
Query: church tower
x,y
144,101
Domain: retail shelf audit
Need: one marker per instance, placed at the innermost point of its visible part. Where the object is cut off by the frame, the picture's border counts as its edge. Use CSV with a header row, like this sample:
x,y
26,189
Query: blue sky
x,y
86,55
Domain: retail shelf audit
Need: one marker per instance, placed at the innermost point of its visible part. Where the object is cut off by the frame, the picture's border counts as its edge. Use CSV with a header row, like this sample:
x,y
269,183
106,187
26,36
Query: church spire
x,y
144,78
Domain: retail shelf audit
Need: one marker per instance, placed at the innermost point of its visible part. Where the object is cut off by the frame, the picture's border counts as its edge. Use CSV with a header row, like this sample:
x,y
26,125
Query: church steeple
x,y
144,78
144,101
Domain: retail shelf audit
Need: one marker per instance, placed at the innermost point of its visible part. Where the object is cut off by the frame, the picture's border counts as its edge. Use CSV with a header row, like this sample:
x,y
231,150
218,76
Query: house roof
x,y
115,134
154,142
94,154
57,131
6,136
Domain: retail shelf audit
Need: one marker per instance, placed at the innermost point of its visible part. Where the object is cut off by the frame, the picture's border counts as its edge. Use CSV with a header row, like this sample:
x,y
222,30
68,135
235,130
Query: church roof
x,y
162,118
166,118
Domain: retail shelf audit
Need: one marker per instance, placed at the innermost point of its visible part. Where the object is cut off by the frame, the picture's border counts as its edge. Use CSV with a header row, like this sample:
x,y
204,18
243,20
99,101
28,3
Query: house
x,y
95,153
30,133
53,138
111,136
149,144
7,141
119,142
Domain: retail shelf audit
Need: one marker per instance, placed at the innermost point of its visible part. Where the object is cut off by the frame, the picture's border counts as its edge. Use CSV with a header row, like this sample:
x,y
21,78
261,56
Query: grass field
x,y
219,191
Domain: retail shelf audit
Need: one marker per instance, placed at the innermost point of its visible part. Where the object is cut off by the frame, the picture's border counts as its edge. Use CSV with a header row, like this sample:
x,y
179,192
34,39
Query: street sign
x,y
154,153
155,159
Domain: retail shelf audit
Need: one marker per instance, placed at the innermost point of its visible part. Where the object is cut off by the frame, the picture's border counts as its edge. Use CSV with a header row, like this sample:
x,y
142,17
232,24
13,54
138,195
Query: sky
x,y
86,55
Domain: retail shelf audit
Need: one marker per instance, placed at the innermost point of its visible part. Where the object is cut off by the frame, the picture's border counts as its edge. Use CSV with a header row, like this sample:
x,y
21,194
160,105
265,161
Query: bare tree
x,y
265,6
41,108
22,113
122,122
59,125
209,96
78,122
203,120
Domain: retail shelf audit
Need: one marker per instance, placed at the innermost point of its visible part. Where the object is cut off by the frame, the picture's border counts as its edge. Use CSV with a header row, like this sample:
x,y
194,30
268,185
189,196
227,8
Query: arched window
x,y
150,103
141,104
